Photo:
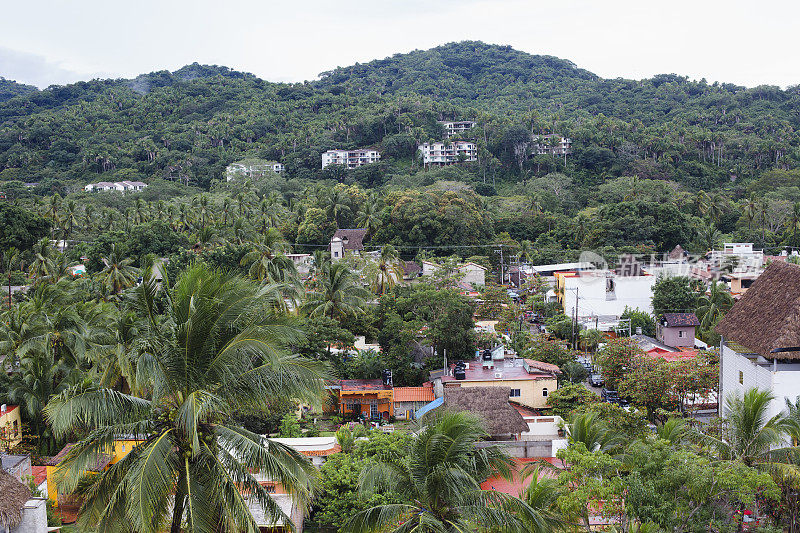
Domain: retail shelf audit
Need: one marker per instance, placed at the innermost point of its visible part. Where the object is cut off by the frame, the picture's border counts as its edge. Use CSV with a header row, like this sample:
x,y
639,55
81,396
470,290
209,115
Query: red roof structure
x,y
517,483
413,394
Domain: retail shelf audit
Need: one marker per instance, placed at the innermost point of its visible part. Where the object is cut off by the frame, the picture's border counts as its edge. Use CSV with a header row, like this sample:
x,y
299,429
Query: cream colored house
x,y
530,381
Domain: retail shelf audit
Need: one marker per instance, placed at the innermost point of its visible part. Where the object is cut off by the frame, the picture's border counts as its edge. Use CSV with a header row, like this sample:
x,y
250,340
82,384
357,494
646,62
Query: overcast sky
x,y
61,41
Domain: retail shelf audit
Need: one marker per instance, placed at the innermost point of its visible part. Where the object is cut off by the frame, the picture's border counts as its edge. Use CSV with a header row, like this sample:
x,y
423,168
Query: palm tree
x,y
590,430
591,339
526,250
714,305
708,236
388,271
750,209
337,293
369,217
40,376
542,495
55,204
42,264
267,258
10,262
220,346
750,435
440,485
118,272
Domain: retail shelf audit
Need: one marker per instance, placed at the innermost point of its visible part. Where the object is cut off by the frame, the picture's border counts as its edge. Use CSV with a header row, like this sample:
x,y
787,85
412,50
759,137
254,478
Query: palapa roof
x,y
410,267
13,496
768,315
352,239
678,252
673,320
490,404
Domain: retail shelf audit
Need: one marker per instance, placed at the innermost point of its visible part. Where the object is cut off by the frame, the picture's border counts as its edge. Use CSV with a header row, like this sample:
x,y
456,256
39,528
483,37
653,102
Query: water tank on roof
x,y
387,378
487,355
460,373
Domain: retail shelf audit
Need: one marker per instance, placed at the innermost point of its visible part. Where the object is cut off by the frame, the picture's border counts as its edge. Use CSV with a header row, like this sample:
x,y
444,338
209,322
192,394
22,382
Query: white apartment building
x,y
551,145
739,255
252,169
119,186
456,127
350,158
448,154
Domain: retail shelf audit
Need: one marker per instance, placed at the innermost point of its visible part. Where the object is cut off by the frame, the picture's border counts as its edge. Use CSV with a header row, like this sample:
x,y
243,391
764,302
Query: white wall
x,y
34,517
635,292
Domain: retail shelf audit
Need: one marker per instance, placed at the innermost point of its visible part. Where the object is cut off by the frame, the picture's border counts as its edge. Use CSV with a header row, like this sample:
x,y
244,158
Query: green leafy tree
x,y
675,294
290,427
570,397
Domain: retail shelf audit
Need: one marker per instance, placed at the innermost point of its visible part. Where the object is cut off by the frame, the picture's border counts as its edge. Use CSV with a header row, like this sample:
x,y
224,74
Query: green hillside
x,y
200,118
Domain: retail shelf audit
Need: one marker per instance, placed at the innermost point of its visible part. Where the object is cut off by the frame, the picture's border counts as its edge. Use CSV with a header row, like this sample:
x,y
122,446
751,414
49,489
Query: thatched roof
x,y
13,496
352,239
489,403
768,315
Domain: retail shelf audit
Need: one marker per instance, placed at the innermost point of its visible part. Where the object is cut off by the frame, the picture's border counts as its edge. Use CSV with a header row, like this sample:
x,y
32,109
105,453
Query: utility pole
x,y
502,273
574,314
444,350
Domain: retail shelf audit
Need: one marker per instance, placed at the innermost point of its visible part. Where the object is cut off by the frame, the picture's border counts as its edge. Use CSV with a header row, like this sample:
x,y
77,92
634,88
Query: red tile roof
x,y
517,484
541,365
322,453
413,394
39,474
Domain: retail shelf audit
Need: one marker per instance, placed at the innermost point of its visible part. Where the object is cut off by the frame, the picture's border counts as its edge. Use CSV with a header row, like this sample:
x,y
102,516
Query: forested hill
x,y
193,122
10,89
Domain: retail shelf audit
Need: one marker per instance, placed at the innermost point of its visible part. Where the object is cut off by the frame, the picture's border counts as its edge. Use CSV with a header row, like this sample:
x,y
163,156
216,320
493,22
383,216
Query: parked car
x,y
610,396
596,380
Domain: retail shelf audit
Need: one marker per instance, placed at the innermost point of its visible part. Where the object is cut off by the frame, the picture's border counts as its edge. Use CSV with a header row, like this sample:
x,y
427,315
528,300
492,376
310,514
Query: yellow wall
x,y
7,423
531,390
121,449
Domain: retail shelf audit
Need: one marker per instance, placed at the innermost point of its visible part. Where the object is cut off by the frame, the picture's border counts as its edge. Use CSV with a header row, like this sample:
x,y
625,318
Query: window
x,y
335,254
681,334
16,428
270,489
741,377
373,410
544,392
515,393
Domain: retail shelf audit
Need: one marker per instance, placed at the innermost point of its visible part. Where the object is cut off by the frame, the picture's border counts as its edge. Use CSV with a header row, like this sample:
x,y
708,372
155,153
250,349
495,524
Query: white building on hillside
x,y
552,145
350,158
456,127
119,186
448,153
252,168
761,339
